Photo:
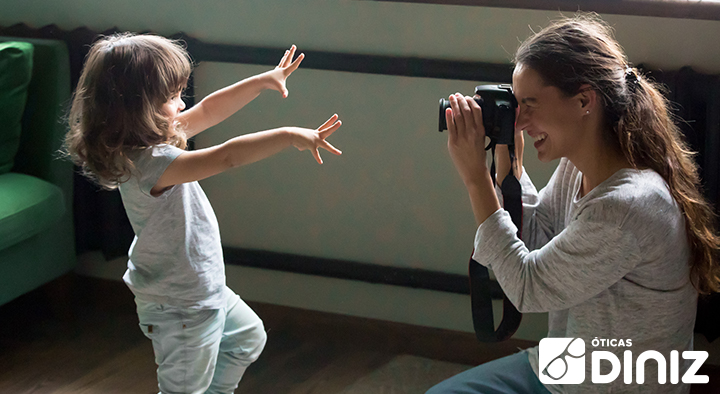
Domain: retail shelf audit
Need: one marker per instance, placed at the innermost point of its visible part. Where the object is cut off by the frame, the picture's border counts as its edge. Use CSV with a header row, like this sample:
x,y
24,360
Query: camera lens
x,y
498,106
442,124
445,104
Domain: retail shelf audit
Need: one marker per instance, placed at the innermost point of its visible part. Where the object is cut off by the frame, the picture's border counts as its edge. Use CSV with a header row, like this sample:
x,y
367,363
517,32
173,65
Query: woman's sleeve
x,y
538,210
587,257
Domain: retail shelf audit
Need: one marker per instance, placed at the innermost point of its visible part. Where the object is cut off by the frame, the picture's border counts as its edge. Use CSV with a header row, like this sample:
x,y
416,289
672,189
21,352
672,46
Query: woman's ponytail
x,y
581,51
649,138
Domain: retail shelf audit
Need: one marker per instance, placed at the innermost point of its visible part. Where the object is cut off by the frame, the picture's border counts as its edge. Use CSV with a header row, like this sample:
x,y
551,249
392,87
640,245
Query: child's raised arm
x,y
222,103
203,163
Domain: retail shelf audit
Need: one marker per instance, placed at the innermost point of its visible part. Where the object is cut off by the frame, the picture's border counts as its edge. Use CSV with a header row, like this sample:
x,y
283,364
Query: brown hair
x,y
117,104
581,51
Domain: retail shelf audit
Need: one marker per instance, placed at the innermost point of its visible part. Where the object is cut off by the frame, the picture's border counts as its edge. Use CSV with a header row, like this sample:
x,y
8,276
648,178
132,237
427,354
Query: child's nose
x,y
182,104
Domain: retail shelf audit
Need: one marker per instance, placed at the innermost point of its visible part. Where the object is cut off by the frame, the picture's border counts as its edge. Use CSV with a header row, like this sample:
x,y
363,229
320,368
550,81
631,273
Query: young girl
x,y
619,243
128,131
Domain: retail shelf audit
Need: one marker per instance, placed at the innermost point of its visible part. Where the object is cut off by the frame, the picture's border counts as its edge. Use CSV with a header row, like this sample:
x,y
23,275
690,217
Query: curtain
x,y
696,103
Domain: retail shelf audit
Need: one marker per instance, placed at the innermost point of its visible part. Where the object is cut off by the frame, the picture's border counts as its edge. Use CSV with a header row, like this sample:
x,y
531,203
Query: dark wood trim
x,y
78,41
343,269
355,63
666,9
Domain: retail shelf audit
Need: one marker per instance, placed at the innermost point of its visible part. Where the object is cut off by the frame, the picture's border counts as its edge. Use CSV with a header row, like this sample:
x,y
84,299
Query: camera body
x,y
498,106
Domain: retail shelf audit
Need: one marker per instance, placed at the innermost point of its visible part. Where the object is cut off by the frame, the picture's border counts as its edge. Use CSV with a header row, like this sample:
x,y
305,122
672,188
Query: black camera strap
x,y
480,283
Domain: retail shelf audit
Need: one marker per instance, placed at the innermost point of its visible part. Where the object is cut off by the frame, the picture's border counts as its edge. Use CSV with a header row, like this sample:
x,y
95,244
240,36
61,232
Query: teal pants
x,y
202,351
507,375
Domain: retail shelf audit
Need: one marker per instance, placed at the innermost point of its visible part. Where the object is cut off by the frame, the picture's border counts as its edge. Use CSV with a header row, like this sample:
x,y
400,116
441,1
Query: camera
x,y
498,105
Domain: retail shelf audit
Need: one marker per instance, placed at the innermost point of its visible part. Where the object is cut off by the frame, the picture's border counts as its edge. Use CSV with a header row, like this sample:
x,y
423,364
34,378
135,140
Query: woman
x,y
619,243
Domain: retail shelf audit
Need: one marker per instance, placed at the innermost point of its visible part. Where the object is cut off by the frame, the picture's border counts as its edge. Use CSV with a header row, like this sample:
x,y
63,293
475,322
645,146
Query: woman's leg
x,y
507,375
243,340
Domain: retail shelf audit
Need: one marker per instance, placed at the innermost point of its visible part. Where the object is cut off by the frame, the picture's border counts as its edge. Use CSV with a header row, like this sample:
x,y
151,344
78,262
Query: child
x,y
127,131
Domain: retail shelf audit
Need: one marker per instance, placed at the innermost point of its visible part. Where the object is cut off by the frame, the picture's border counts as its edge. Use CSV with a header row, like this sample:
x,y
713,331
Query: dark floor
x,y
80,335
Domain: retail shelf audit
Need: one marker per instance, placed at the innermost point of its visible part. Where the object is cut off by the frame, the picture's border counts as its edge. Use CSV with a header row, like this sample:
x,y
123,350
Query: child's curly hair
x,y
117,104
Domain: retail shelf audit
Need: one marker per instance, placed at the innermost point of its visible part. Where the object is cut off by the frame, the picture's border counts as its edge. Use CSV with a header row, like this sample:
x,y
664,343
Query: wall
x,y
454,32
393,198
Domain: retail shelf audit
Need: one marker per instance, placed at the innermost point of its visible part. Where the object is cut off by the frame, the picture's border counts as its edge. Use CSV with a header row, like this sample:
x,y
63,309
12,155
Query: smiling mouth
x,y
540,137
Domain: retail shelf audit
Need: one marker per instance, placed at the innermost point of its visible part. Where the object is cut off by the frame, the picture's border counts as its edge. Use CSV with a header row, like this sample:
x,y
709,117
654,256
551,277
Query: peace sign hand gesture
x,y
276,78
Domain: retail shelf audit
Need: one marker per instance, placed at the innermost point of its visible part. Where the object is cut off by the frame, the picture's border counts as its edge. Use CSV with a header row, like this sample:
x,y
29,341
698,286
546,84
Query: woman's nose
x,y
520,119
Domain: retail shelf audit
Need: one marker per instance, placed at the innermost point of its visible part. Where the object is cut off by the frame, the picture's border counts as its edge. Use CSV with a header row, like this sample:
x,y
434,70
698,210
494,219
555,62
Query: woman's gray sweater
x,y
613,264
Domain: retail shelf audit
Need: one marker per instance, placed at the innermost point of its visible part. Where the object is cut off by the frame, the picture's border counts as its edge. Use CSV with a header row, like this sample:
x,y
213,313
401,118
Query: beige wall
x,y
453,32
393,197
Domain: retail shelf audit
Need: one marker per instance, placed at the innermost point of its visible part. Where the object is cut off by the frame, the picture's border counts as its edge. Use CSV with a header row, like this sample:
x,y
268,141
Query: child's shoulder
x,y
154,152
154,158
150,162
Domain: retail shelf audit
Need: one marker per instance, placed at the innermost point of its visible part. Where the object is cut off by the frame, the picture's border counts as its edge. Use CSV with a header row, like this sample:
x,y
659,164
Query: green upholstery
x,y
28,206
37,242
15,71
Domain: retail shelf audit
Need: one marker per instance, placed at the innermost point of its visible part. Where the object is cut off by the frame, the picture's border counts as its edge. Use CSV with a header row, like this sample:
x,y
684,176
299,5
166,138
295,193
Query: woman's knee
x,y
437,389
453,385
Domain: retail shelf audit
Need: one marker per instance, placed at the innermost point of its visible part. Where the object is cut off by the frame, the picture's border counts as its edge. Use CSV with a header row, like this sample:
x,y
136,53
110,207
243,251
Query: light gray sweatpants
x,y
202,350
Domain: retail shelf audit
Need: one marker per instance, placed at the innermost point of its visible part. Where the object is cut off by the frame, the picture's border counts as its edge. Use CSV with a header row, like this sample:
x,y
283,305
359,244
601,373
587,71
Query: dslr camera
x,y
498,105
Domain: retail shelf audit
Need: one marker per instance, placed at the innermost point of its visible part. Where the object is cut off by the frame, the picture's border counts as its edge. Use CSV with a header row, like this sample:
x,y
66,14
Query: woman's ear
x,y
587,99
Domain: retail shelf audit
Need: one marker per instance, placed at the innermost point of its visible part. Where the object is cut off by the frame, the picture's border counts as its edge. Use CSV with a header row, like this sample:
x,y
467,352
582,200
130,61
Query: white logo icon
x,y
562,360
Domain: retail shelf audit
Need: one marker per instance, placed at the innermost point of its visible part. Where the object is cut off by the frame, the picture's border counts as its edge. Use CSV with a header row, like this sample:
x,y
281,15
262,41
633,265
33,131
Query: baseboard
x,y
440,344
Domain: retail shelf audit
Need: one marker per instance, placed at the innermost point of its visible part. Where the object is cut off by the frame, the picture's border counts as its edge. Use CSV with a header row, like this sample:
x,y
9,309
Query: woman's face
x,y
552,119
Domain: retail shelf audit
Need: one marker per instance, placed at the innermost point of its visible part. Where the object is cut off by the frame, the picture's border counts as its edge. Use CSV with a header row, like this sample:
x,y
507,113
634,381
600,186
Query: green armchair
x,y
37,242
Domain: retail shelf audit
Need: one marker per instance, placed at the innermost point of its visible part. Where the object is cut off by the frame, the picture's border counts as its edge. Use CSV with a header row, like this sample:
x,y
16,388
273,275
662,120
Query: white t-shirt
x,y
176,257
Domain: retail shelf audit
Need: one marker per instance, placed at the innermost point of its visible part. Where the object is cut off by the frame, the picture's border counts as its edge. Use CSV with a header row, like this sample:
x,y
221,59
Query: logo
x,y
562,360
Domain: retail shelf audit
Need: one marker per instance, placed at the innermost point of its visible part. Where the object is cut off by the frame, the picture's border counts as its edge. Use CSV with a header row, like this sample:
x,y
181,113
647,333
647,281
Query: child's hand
x,y
313,139
276,78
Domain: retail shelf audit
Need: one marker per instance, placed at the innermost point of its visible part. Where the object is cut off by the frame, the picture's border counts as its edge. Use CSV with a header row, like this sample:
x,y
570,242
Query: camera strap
x,y
480,284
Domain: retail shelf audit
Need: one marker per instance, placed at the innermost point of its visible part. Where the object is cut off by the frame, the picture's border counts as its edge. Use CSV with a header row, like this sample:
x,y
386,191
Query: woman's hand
x,y
466,141
276,78
313,139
